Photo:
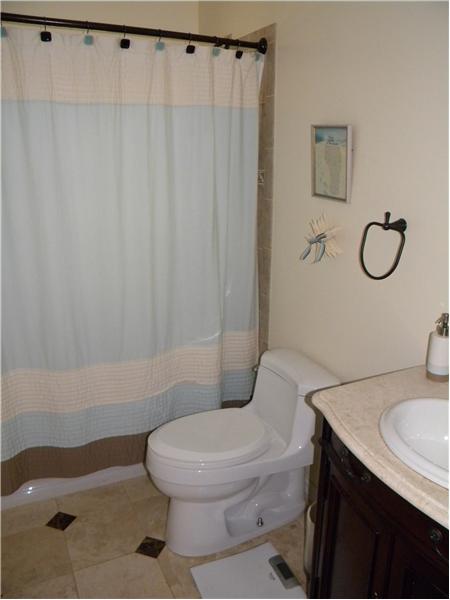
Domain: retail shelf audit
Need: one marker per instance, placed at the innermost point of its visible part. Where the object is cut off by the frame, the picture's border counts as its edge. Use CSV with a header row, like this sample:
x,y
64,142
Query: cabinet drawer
x,y
350,466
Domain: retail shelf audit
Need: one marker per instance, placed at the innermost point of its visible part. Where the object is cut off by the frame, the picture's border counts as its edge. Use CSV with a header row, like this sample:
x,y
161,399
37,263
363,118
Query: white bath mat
x,y
248,575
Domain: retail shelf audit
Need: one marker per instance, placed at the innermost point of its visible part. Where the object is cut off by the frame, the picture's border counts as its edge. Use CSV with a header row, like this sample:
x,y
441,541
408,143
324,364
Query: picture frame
x,y
331,161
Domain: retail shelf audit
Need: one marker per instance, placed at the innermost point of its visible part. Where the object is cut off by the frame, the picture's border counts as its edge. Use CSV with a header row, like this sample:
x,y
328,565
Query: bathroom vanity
x,y
382,529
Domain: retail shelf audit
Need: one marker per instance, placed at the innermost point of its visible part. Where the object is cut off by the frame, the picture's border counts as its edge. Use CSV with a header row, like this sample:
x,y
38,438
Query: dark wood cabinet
x,y
370,542
414,576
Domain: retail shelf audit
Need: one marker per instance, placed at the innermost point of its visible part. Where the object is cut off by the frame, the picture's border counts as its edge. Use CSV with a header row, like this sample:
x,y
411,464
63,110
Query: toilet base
x,y
201,528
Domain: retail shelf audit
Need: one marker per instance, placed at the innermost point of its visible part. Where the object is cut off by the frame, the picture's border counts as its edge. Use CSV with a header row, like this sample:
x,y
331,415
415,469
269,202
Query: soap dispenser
x,y
437,355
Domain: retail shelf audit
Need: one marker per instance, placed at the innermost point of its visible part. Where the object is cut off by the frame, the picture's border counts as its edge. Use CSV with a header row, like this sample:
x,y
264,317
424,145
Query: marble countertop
x,y
353,411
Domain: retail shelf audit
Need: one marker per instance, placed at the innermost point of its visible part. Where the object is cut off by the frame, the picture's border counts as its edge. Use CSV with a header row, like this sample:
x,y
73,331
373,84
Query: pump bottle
x,y
437,355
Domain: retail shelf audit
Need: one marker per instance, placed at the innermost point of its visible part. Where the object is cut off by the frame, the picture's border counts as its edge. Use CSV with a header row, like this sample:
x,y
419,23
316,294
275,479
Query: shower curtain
x,y
129,223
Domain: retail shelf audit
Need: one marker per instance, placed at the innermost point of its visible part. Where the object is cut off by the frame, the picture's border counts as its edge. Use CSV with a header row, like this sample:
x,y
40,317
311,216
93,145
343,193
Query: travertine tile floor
x,y
95,555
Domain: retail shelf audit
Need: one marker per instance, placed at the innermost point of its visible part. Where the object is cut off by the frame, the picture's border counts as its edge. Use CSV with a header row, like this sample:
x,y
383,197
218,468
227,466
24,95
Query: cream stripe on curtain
x,y
129,208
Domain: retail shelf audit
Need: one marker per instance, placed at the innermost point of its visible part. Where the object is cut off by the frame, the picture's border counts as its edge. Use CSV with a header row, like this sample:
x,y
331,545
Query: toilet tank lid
x,y
298,369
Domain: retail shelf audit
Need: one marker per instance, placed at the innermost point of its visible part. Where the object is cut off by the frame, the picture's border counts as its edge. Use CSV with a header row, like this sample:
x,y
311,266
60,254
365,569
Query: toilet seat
x,y
217,438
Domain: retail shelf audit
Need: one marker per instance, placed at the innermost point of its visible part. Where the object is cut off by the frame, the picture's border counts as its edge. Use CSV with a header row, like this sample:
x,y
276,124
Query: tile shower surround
x,y
108,542
265,188
265,179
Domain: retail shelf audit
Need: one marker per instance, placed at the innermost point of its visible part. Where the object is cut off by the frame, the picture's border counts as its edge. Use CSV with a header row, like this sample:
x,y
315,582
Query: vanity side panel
x,y
365,527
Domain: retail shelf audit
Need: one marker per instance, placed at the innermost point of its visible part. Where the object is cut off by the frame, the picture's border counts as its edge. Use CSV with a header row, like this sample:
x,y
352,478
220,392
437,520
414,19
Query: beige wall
x,y
178,16
381,67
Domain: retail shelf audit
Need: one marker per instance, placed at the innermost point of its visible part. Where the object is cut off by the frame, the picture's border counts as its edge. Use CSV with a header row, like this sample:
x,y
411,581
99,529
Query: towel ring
x,y
400,226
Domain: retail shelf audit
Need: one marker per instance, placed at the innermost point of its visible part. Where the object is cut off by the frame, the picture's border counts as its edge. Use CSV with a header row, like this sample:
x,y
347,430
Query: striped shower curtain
x,y
129,217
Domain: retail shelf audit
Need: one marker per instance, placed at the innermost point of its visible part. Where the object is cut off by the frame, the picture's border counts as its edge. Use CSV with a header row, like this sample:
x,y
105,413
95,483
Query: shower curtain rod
x,y
261,45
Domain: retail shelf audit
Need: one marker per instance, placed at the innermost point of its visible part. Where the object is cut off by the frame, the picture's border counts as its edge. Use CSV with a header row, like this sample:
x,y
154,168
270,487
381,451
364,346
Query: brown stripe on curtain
x,y
49,461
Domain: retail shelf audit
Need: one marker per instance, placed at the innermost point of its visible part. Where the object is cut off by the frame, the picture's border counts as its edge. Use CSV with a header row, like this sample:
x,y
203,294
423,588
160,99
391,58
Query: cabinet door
x,y
412,576
370,542
355,543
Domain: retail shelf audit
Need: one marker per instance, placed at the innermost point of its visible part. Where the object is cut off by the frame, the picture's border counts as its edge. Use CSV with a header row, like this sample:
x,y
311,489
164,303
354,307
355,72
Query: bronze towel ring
x,y
400,226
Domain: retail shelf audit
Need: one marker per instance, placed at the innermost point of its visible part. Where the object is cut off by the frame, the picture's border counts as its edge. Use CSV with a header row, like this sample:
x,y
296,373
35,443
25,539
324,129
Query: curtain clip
x,y
239,52
88,39
159,44
124,42
46,36
190,48
216,49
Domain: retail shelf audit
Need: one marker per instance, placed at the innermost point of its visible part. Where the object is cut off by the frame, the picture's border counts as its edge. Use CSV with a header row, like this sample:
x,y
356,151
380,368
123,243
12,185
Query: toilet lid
x,y
222,437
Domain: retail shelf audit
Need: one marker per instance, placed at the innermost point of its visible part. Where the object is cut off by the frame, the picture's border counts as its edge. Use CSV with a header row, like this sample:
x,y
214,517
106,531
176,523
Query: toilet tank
x,y
284,378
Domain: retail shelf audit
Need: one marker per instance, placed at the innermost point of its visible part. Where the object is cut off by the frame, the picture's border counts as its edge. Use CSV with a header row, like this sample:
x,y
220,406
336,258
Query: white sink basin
x,y
417,433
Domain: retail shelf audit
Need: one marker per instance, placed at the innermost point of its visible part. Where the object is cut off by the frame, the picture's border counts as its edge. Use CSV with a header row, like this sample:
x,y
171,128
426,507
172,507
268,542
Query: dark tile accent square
x,y
151,547
61,521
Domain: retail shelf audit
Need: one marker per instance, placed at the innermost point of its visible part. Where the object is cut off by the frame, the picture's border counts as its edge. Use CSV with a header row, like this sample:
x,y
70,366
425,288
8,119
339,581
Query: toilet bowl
x,y
237,473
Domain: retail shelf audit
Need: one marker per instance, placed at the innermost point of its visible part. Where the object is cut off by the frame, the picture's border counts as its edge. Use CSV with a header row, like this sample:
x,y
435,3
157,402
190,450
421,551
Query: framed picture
x,y
331,159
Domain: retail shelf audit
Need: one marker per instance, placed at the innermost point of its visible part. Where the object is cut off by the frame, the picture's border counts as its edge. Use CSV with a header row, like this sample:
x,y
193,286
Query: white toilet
x,y
236,473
